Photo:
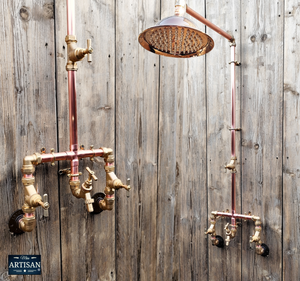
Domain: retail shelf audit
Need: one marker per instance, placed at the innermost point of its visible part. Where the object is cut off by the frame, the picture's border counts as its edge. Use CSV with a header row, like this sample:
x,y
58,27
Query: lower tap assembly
x,y
261,248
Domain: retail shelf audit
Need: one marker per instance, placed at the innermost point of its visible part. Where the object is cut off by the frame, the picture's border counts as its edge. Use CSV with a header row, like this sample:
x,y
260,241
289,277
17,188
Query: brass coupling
x,y
231,166
28,222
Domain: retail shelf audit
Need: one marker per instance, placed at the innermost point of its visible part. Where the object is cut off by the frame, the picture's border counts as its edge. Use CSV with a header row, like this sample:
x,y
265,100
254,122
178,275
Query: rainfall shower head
x,y
176,36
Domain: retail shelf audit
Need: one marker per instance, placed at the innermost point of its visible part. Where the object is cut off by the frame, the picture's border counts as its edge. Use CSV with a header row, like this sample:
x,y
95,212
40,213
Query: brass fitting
x,y
29,163
76,54
28,222
86,188
112,181
231,166
212,229
256,237
76,191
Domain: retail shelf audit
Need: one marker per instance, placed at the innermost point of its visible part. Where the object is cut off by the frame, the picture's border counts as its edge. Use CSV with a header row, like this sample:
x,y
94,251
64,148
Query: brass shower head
x,y
176,36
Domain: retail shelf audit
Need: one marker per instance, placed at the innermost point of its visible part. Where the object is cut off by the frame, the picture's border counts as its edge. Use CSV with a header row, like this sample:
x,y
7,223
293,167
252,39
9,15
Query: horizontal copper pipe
x,y
236,216
69,155
208,23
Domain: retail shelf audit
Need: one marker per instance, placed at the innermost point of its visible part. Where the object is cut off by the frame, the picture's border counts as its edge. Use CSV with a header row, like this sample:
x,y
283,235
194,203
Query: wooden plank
x,y
262,80
27,77
182,212
88,248
291,163
137,83
224,263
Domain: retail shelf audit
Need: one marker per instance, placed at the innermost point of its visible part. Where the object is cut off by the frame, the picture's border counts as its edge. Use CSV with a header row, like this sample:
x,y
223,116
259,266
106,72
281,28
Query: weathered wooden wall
x,y
167,120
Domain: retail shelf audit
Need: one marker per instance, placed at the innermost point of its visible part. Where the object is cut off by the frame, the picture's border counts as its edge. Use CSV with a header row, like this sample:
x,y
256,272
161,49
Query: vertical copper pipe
x,y
72,95
72,110
71,17
233,127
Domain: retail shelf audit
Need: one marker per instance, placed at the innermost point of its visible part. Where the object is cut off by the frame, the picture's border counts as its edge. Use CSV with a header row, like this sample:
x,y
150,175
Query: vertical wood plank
x,y
224,263
182,207
28,122
291,163
137,73
262,80
88,247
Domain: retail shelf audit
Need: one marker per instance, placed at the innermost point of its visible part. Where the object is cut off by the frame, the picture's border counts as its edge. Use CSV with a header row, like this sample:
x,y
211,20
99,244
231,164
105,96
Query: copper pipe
x,y
69,155
236,216
209,24
233,134
71,16
72,110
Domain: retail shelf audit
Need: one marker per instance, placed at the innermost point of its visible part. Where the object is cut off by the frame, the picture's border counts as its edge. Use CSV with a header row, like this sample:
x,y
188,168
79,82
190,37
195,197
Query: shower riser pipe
x,y
233,132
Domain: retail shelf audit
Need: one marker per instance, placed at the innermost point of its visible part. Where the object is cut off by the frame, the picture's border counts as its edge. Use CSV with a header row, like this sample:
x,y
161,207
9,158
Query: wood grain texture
x,y
291,145
262,92
88,247
28,122
182,208
224,263
137,77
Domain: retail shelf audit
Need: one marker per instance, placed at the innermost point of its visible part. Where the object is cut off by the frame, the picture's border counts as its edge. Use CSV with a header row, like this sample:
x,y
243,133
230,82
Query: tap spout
x,y
112,181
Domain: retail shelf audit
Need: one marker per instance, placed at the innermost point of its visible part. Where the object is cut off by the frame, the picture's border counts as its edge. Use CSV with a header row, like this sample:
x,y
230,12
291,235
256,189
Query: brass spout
x,y
230,233
76,54
212,228
86,188
231,166
112,181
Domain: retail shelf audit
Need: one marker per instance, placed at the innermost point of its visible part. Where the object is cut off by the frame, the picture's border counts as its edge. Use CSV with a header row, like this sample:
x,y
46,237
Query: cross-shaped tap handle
x,y
91,174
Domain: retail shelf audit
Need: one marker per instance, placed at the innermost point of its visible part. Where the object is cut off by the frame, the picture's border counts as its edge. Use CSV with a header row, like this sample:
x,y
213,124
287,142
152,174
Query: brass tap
x,y
86,188
231,166
230,234
77,54
212,229
112,181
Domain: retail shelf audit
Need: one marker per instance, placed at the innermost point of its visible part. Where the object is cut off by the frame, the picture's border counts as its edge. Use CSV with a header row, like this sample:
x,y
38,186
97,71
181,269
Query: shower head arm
x,y
202,19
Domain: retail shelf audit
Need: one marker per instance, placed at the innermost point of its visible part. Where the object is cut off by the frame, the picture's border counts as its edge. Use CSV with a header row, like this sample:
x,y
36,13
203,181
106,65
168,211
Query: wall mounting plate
x,y
14,222
97,198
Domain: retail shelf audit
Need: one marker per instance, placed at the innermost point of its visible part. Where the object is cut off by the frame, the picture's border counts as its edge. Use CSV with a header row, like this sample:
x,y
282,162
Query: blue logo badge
x,y
24,265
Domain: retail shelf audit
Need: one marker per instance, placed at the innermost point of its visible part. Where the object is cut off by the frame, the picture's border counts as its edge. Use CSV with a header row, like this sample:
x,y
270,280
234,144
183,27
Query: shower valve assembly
x,y
24,220
179,37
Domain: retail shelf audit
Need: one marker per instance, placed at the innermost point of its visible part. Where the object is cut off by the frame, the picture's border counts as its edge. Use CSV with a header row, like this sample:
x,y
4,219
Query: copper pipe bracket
x,y
235,129
64,171
237,63
93,157
74,175
53,161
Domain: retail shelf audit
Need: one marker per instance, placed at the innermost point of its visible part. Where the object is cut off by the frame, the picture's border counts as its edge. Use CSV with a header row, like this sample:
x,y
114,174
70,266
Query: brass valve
x,y
231,165
77,54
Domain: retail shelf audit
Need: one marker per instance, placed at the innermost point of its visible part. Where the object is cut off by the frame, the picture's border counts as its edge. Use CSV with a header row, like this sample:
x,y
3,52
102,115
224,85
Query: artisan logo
x,y
24,265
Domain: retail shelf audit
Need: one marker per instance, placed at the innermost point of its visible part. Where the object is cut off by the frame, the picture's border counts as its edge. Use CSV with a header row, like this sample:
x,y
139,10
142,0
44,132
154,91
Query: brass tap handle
x,y
90,50
46,205
91,174
128,183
